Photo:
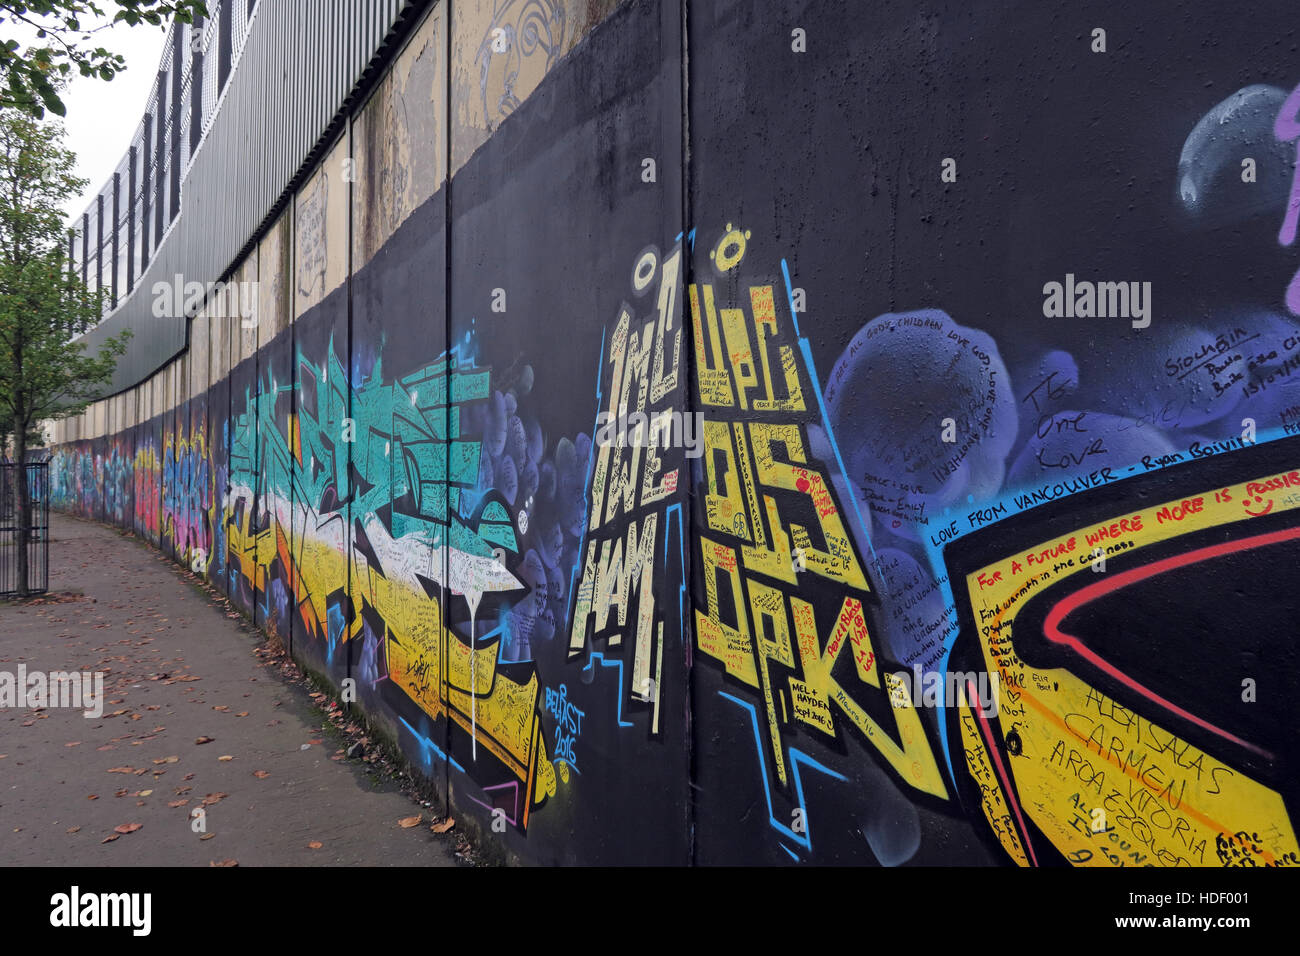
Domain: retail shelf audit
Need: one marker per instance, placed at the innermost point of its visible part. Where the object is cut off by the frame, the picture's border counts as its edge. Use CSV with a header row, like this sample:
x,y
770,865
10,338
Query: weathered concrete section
x,y
177,669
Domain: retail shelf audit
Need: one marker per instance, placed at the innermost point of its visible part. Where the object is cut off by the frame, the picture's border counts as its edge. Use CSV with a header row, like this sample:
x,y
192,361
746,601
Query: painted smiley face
x,y
1257,501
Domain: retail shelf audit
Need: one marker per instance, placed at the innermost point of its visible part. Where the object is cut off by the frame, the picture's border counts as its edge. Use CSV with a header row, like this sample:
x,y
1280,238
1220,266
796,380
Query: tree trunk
x,y
24,506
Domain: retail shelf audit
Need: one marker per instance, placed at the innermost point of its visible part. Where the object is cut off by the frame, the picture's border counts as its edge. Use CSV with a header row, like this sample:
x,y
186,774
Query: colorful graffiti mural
x,y
791,516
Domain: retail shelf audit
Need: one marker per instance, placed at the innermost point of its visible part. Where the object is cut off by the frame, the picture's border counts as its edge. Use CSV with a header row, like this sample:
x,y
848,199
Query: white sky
x,y
102,116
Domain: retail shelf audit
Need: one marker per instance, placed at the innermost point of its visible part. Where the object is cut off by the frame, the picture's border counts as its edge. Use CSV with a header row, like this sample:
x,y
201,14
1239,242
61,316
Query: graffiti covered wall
x,y
908,477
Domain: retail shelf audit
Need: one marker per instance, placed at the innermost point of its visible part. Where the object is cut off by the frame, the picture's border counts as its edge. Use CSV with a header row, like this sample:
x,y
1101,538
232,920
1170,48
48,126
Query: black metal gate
x,y
38,531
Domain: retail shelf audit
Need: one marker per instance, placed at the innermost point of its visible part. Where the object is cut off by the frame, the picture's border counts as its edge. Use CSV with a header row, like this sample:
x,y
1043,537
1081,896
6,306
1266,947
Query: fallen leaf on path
x,y
73,829
204,740
220,707
127,827
121,769
177,803
226,757
223,863
407,822
93,796
315,845
110,838
444,826
75,743
168,760
261,774
145,793
242,713
212,798
207,836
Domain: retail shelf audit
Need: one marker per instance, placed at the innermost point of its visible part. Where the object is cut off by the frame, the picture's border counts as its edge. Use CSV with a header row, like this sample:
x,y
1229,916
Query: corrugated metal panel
x,y
298,65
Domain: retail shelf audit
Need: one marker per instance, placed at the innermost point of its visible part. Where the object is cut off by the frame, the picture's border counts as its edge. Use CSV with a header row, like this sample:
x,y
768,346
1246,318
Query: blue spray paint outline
x,y
427,744
797,757
600,656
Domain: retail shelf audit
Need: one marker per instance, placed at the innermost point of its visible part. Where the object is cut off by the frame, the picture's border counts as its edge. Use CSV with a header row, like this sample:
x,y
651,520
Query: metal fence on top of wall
x,y
259,78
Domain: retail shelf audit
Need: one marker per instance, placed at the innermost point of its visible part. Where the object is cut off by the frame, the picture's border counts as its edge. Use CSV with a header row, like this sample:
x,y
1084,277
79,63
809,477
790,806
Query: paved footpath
x,y
178,669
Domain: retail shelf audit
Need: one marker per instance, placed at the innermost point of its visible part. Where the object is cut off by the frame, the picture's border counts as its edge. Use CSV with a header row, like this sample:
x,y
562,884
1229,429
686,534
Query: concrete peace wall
x,y
964,508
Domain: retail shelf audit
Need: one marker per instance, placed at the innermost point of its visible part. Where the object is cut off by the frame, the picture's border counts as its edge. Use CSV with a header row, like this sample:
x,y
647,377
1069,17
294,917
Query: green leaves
x,y
46,92
66,24
44,371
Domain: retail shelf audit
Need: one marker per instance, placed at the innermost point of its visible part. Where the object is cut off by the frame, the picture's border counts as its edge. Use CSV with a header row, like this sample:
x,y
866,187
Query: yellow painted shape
x,y
1167,801
711,375
914,760
729,645
321,571
740,352
768,604
992,800
837,561
761,299
724,506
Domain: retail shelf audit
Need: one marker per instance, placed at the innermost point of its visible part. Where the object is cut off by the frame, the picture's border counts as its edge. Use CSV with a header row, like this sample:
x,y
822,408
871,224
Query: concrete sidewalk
x,y
178,668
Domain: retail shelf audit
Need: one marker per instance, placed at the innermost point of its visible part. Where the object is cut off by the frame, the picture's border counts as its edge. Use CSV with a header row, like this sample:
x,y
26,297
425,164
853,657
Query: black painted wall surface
x,y
854,434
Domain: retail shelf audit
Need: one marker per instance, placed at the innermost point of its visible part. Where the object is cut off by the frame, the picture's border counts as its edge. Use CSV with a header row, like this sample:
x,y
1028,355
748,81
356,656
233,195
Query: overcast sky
x,y
102,116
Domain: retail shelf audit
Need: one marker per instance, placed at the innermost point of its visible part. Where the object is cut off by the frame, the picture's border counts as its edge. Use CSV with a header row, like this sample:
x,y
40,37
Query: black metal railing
x,y
38,528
